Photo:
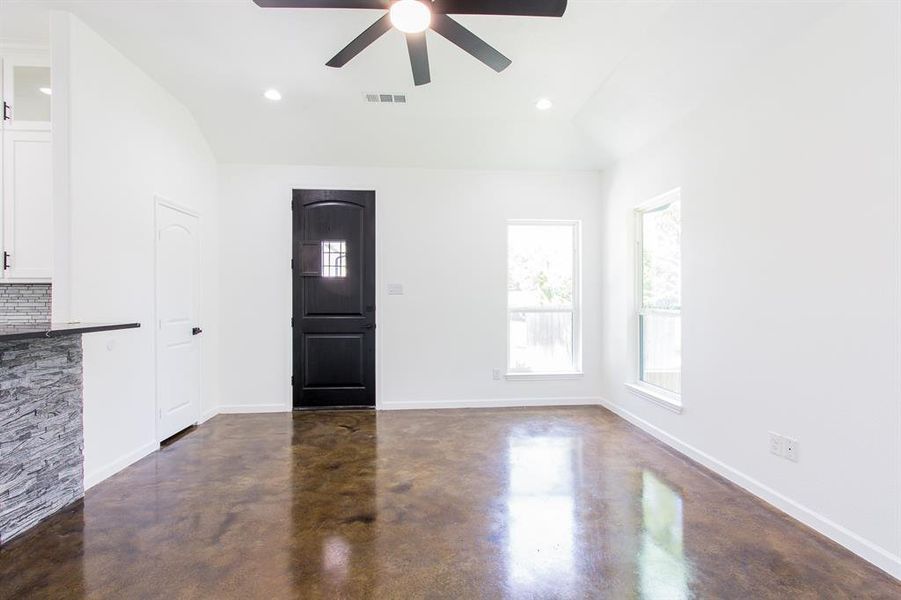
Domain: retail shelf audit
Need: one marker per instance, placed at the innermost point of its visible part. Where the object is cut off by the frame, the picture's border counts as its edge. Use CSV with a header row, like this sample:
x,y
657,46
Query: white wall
x,y
440,233
790,198
128,140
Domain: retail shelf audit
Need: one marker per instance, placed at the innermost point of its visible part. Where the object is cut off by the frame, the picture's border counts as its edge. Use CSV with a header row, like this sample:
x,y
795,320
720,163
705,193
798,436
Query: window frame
x,y
666,398
575,309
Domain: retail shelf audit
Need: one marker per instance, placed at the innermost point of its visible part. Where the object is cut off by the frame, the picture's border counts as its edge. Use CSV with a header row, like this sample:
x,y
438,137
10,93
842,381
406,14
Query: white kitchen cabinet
x,y
26,93
27,200
26,225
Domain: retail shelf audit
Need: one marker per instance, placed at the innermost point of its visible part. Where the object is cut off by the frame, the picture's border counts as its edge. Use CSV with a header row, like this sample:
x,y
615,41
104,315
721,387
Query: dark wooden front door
x,y
334,298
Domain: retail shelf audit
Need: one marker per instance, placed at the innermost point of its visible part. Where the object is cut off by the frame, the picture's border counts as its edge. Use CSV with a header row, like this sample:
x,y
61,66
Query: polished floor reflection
x,y
519,503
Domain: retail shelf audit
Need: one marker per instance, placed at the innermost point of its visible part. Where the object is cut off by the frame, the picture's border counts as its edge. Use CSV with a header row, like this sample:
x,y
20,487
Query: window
x,y
334,259
543,321
659,277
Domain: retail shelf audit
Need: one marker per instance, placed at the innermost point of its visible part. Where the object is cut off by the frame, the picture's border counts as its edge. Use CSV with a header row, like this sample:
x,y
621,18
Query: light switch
x,y
395,289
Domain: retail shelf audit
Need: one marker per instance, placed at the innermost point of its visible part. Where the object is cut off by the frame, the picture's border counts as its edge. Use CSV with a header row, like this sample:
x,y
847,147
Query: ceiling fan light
x,y
410,16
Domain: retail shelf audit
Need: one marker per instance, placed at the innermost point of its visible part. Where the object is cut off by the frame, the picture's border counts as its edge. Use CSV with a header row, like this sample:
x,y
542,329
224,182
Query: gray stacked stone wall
x,y
24,303
41,437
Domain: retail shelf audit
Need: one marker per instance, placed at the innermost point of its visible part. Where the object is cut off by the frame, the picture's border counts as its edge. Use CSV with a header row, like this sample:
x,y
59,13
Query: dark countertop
x,y
48,330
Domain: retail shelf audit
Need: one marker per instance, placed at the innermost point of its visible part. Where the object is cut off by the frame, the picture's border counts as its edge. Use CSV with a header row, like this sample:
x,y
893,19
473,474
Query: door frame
x,y
288,369
162,201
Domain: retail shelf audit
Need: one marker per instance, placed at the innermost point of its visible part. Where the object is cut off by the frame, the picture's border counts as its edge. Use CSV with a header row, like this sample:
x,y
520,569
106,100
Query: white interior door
x,y
178,343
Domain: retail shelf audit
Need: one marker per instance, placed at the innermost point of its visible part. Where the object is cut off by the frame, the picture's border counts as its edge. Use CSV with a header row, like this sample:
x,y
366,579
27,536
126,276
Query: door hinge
x,y
5,260
292,264
292,379
292,321
6,108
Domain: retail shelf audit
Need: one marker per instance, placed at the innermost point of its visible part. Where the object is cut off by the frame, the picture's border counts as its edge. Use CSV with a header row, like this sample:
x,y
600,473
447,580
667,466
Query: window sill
x,y
542,376
658,396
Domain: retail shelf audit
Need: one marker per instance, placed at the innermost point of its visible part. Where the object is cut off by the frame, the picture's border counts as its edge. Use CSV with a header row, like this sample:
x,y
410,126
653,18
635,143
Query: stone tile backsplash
x,y
24,303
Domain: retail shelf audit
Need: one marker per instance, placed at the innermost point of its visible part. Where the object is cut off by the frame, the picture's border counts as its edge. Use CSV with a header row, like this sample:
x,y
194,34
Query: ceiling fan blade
x,y
372,33
470,42
419,58
379,4
522,8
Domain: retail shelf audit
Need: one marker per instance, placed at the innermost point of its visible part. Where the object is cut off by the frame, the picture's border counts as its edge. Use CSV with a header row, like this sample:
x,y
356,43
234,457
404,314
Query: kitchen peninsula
x,y
41,433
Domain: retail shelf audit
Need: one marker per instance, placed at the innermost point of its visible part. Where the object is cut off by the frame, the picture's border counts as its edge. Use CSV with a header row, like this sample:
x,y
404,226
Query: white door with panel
x,y
178,343
27,201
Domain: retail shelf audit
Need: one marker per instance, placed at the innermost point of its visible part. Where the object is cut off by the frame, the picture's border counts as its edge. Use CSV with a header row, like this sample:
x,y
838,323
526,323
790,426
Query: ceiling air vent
x,y
385,98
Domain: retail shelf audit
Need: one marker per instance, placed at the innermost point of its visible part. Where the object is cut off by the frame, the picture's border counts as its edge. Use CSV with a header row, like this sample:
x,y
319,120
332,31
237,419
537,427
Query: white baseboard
x,y
97,475
488,403
867,550
207,415
240,409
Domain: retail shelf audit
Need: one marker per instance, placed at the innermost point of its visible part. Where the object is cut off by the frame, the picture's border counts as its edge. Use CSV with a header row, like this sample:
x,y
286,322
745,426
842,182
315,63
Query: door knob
x,y
196,330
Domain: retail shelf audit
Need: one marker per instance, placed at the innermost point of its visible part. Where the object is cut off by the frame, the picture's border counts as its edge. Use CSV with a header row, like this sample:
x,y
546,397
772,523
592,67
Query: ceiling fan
x,y
414,17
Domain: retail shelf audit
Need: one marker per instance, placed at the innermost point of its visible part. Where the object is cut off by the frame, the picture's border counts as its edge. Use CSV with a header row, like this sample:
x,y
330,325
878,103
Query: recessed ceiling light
x,y
410,16
272,94
45,90
543,104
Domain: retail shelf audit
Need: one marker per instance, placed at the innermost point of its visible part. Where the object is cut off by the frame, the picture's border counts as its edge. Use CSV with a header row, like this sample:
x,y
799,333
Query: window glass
x,y
31,93
541,341
661,350
334,259
542,298
660,279
540,265
661,257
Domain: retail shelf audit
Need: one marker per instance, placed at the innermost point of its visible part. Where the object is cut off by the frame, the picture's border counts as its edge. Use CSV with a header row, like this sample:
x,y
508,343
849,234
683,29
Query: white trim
x,y
490,403
673,195
108,470
878,556
206,416
12,47
240,409
658,396
163,201
514,376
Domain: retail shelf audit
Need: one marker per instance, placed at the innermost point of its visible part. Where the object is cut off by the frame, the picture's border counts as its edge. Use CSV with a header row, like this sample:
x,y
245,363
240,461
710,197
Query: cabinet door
x,y
26,91
27,201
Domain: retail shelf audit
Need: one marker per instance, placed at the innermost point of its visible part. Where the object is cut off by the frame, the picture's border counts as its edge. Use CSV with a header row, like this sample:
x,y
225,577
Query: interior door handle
x,y
196,330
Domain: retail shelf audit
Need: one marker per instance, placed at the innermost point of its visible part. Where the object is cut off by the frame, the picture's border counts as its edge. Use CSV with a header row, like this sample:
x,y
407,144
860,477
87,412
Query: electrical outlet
x,y
496,374
783,446
776,446
791,449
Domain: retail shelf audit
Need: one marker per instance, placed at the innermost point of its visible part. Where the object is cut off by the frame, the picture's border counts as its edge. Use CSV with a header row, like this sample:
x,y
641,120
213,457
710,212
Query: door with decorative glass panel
x,y
333,298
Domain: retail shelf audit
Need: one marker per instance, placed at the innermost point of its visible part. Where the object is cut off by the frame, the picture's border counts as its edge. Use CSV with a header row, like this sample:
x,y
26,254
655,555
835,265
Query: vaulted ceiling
x,y
618,73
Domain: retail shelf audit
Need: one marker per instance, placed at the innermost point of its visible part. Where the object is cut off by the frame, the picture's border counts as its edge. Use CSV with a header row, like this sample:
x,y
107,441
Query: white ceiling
x,y
619,73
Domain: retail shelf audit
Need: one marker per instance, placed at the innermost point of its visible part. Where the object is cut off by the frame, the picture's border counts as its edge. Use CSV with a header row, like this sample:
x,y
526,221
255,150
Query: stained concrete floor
x,y
517,503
